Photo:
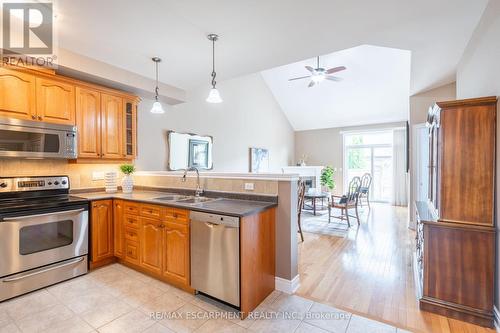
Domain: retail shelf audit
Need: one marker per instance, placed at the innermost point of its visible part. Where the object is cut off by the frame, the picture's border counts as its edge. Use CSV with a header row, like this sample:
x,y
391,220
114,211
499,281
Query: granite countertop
x,y
223,206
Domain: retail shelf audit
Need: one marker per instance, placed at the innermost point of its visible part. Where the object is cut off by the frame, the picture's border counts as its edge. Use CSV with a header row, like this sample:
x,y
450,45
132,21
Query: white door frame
x,y
415,165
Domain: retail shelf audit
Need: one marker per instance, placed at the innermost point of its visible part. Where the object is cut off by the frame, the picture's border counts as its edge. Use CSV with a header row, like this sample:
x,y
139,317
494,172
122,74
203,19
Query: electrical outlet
x,y
249,186
97,175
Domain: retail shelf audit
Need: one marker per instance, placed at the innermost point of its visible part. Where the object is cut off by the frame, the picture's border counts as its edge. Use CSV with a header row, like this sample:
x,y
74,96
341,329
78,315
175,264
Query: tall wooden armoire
x,y
455,254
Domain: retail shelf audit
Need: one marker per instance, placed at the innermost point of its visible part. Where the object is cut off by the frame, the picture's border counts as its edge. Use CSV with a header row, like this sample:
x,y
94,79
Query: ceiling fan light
x,y
214,96
317,78
157,108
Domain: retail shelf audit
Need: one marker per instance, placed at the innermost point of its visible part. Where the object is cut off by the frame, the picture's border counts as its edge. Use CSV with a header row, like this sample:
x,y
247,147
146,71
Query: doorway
x,y
370,152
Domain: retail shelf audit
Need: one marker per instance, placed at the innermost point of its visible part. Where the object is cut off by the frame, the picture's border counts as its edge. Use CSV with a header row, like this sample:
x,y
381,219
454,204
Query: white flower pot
x,y
127,184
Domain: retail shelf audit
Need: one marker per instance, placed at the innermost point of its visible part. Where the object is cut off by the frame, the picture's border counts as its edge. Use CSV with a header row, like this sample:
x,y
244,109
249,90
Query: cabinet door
x,y
17,98
130,129
102,230
118,220
88,122
55,101
111,127
176,258
151,244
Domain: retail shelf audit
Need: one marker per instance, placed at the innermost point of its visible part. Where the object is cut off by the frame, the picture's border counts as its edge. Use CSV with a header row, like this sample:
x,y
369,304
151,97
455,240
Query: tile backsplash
x,y
81,176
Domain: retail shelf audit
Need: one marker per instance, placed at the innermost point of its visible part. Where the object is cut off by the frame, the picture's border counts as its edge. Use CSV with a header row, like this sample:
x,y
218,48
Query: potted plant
x,y
327,178
127,181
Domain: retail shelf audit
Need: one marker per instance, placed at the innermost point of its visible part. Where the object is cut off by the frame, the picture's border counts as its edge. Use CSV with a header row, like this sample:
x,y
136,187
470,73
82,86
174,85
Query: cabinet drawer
x,y
132,234
131,221
177,215
132,252
151,211
131,208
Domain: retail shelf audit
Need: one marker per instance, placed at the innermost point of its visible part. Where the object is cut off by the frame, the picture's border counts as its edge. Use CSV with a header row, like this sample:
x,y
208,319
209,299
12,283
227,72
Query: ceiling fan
x,y
319,74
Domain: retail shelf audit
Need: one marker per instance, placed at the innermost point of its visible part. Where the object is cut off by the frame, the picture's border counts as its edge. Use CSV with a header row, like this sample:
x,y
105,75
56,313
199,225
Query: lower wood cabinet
x,y
151,244
176,263
119,239
101,230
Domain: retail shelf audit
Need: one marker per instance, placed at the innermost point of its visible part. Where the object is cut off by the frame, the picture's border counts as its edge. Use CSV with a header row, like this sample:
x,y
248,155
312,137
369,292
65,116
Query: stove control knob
x,y
3,185
64,182
56,183
49,183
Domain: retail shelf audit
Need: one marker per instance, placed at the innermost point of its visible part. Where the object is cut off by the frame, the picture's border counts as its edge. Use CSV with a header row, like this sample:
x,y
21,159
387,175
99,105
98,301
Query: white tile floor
x,y
118,299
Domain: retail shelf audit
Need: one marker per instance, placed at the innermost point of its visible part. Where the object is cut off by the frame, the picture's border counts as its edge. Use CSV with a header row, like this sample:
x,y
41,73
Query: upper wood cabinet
x,y
101,229
107,125
55,101
112,122
17,98
88,122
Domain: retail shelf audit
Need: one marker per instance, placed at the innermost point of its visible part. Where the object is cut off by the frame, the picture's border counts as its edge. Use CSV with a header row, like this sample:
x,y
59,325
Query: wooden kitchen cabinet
x,y
18,94
88,122
112,144
130,128
118,223
101,229
151,235
55,101
176,263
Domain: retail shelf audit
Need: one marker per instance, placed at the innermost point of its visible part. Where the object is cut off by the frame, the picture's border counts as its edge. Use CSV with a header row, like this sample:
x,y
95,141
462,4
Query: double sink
x,y
185,199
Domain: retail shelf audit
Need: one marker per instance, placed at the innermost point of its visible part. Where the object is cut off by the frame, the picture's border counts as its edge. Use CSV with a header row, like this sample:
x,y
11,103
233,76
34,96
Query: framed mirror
x,y
186,150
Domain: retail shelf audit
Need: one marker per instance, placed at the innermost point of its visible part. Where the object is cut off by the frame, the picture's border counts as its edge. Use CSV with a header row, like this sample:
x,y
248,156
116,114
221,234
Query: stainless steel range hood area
x,y
36,140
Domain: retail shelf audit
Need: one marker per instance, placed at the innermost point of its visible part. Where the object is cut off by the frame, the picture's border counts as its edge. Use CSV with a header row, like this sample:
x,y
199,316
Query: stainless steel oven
x,y
43,235
33,139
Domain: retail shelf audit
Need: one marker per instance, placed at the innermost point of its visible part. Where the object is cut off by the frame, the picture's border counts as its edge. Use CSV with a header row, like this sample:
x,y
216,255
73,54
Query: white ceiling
x,y
258,35
375,89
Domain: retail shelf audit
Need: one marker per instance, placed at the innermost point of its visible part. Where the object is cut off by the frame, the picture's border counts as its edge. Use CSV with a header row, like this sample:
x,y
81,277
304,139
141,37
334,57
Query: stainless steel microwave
x,y
36,140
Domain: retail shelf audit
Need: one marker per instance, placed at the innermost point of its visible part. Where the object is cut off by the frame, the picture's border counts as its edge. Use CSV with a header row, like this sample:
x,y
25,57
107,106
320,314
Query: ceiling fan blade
x,y
311,84
335,70
310,69
333,78
299,78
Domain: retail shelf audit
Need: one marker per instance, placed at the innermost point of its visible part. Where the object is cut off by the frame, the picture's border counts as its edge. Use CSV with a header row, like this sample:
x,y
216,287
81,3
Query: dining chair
x,y
364,190
301,190
346,202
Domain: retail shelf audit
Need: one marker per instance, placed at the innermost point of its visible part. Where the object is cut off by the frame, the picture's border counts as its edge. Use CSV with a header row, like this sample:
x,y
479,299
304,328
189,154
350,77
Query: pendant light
x,y
157,108
213,96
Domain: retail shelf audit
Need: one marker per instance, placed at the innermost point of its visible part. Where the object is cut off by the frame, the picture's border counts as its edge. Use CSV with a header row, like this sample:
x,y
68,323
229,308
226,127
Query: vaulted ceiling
x,y
259,35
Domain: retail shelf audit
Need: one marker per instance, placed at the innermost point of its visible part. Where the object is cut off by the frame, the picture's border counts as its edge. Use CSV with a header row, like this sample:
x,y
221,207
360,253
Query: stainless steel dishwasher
x,y
215,256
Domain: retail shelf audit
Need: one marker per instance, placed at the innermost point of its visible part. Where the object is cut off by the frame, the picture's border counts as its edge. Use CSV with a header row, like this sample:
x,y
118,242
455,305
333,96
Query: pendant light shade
x,y
157,108
213,96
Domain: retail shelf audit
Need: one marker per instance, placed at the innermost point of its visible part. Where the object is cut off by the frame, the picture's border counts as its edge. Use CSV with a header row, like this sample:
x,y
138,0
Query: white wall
x,y
248,117
478,71
325,147
478,75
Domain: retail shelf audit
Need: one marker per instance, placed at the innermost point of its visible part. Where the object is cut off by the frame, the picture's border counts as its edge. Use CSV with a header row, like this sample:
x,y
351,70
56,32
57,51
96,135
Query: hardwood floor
x,y
370,273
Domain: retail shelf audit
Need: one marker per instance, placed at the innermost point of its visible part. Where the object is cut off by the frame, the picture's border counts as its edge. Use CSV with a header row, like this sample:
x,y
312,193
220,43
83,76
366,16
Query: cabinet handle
x,y
33,117
40,118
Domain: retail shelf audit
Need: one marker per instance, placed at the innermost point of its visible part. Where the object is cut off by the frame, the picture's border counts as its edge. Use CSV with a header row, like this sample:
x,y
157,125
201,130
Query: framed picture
x,y
198,154
259,160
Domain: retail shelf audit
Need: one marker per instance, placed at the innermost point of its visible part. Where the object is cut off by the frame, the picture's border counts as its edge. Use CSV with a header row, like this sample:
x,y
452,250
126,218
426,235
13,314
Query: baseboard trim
x,y
496,316
287,286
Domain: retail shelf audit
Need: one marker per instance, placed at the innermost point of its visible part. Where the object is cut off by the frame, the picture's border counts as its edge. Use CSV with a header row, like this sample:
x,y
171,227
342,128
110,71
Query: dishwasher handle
x,y
212,220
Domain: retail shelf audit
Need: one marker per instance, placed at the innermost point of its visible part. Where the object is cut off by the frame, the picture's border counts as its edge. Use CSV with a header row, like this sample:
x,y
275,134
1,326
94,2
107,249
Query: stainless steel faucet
x,y
199,191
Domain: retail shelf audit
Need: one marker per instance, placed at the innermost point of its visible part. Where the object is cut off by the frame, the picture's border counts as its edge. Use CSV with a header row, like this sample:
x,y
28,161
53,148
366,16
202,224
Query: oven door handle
x,y
44,270
41,215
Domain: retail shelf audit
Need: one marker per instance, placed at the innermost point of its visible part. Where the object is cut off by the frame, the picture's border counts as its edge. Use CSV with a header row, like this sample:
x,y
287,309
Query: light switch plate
x,y
97,175
249,186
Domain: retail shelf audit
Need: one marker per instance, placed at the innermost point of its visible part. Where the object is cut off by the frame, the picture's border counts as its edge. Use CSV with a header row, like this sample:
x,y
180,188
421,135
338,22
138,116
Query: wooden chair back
x,y
366,181
301,192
